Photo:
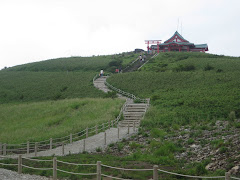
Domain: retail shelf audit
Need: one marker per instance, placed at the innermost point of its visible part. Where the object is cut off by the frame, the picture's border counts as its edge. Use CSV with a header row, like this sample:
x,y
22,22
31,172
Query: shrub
x,y
187,67
111,94
232,115
208,67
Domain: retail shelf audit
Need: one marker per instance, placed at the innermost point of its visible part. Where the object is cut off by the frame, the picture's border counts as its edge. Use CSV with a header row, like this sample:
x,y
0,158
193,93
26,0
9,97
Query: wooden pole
x,y
54,168
63,148
87,132
118,132
105,138
227,176
19,164
50,143
71,138
112,123
133,126
84,145
96,129
99,170
128,129
1,150
4,149
28,147
36,148
155,172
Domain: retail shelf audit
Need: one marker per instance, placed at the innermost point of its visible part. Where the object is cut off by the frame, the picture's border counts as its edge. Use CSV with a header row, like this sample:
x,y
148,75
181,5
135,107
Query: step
x,y
131,121
137,105
132,118
133,114
135,110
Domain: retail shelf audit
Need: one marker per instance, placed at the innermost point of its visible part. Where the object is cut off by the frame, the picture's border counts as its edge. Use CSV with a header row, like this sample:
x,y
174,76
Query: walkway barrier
x,y
34,147
155,55
129,95
99,171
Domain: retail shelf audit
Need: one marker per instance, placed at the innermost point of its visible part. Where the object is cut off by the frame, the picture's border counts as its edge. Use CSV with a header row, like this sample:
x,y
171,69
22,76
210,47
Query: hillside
x,y
192,122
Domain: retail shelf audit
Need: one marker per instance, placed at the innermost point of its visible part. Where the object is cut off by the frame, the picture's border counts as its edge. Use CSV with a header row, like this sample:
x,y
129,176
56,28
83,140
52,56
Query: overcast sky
x,y
34,30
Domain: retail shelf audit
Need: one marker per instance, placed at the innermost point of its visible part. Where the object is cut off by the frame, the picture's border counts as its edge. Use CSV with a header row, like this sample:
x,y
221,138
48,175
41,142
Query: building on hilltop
x,y
178,43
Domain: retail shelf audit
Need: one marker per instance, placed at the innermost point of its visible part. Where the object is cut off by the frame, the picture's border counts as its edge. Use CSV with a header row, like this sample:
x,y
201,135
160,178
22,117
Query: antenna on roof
x,y
177,24
181,28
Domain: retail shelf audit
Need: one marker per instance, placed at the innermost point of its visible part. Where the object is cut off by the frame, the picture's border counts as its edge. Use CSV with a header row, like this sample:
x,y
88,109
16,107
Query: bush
x,y
208,67
187,67
111,94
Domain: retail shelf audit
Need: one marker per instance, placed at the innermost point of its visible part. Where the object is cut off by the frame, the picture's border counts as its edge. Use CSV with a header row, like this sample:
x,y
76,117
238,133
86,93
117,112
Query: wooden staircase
x,y
133,113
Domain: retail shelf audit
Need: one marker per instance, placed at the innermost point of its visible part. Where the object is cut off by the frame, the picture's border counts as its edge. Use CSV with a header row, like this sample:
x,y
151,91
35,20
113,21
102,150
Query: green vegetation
x,y
50,119
187,95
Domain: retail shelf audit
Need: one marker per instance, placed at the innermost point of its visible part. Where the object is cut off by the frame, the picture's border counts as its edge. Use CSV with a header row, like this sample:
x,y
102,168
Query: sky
x,y
35,30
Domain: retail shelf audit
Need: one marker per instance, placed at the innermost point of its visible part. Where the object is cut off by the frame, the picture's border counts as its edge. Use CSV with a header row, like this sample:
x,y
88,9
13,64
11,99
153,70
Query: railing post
x,y
112,123
63,148
36,148
87,132
1,150
128,128
227,176
155,172
118,132
71,138
105,138
84,145
50,144
54,168
28,147
19,164
99,170
133,126
96,129
5,149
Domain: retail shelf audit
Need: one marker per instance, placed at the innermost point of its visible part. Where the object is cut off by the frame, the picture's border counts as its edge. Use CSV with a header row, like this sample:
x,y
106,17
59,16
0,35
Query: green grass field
x,y
185,88
43,120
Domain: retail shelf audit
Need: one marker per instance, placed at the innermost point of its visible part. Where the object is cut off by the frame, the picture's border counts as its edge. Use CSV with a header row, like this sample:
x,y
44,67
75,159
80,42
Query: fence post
x,y
96,129
112,123
227,176
84,145
133,126
63,148
54,168
87,132
36,148
118,132
1,151
71,138
128,128
155,172
105,138
50,143
4,149
99,170
28,147
19,164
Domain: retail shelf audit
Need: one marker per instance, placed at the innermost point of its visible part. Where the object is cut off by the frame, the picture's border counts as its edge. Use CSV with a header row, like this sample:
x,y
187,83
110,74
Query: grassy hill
x,y
186,85
38,121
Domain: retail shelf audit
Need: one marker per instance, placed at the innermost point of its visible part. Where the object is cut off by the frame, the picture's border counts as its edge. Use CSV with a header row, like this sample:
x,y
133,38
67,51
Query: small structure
x,y
178,43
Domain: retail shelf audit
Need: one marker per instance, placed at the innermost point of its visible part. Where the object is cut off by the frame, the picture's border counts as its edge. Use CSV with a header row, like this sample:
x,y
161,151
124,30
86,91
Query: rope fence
x,y
99,170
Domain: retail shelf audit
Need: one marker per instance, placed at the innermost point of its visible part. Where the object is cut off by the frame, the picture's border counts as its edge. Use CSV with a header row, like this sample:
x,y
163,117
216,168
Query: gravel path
x,y
12,175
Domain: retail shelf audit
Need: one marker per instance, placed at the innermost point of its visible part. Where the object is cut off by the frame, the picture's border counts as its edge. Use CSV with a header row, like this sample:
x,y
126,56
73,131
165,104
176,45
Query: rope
x,y
8,164
235,178
214,177
83,174
36,168
126,169
76,164
39,160
113,177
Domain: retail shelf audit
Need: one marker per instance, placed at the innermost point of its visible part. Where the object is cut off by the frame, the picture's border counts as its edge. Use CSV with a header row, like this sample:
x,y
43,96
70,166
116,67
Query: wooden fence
x,y
99,171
